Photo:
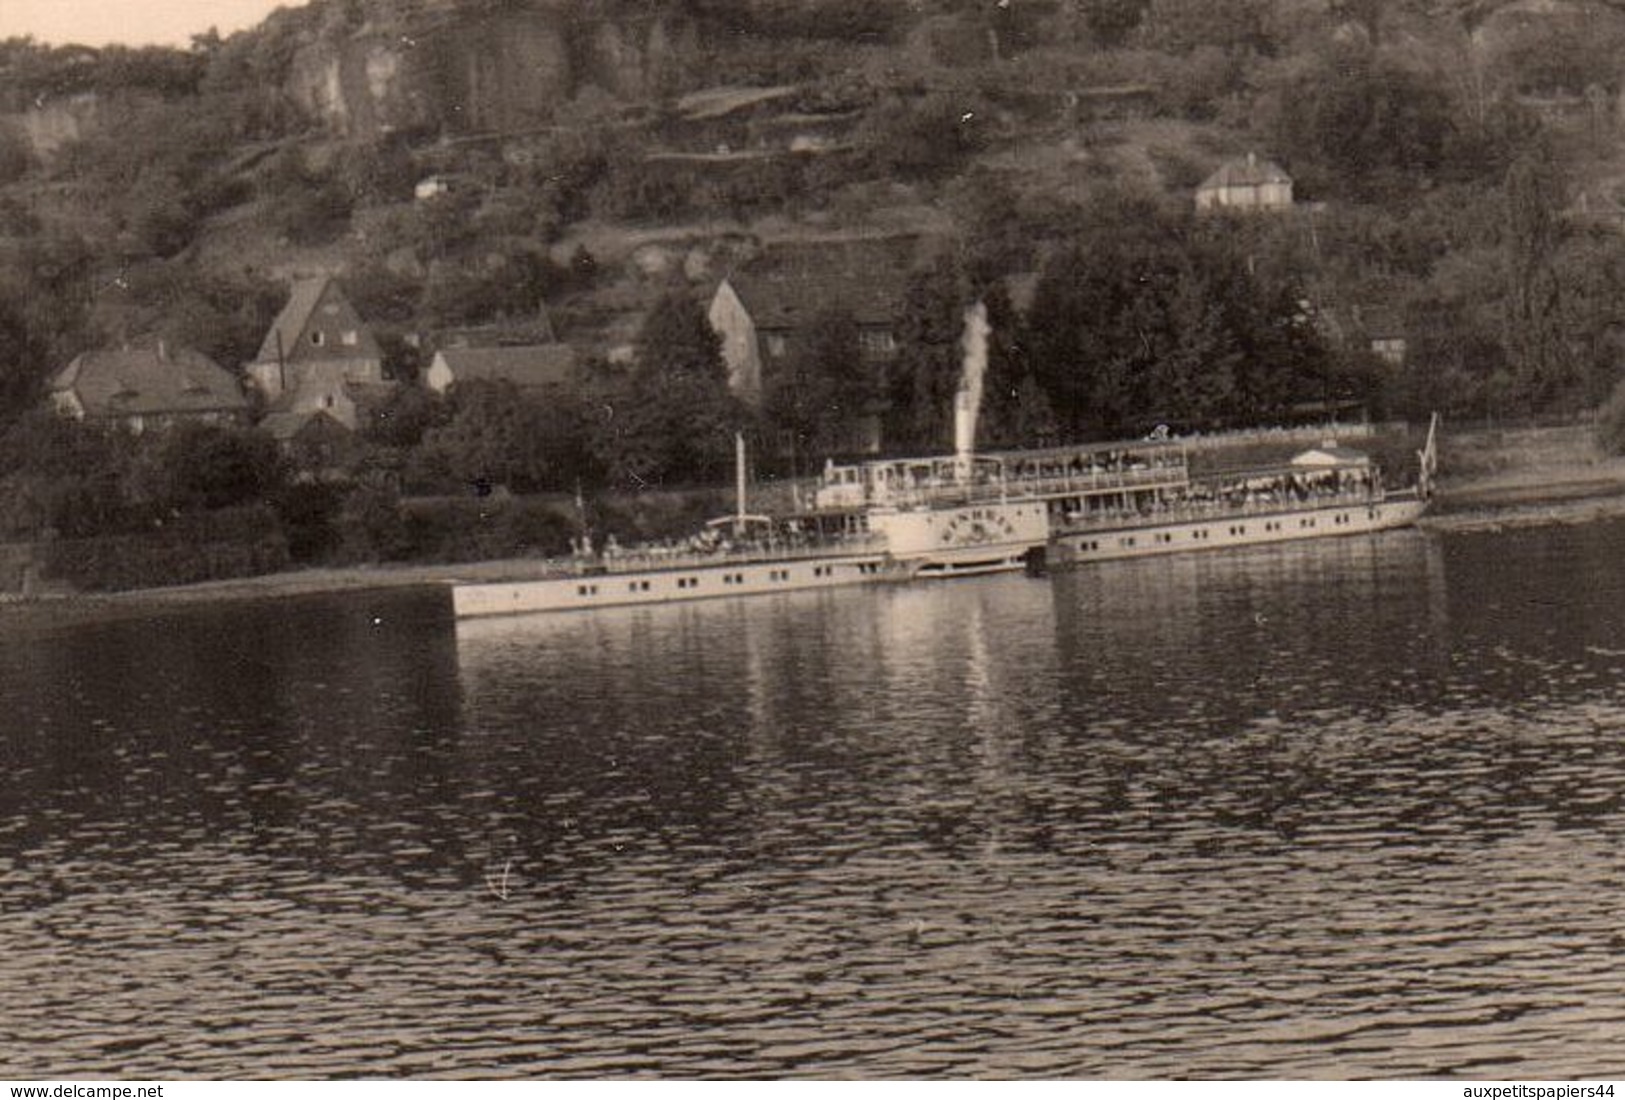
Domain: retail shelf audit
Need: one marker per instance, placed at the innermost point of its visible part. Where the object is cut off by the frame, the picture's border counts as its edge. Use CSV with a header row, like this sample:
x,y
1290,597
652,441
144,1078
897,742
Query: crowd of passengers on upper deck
x,y
1091,465
1296,486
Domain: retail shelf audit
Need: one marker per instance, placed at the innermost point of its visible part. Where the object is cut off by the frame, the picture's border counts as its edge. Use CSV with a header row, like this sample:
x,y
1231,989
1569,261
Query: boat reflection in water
x,y
1342,808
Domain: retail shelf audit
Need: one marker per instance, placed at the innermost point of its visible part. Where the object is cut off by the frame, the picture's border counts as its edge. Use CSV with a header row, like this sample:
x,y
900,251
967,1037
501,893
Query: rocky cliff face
x,y
49,124
497,70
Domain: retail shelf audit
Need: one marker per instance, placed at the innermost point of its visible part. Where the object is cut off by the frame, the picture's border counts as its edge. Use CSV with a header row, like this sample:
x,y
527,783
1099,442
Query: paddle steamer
x,y
967,514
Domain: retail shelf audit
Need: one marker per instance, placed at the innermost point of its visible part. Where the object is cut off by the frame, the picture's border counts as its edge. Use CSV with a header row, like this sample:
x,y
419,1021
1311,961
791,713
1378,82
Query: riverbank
x,y
1494,478
294,583
1491,479
1527,501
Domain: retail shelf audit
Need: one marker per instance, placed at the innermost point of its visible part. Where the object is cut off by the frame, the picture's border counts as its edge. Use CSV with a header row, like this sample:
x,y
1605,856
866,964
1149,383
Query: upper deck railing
x,y
1007,486
684,556
1218,508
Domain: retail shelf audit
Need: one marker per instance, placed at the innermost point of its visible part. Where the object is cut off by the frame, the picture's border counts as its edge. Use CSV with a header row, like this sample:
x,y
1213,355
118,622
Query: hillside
x,y
602,152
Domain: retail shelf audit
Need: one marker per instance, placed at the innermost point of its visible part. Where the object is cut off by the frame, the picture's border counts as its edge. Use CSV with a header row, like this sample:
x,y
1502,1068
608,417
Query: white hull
x,y
586,591
987,537
1220,531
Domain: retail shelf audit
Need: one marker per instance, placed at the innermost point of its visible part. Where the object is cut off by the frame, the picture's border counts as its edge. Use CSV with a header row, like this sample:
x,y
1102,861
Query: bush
x,y
309,513
922,138
238,542
371,528
478,528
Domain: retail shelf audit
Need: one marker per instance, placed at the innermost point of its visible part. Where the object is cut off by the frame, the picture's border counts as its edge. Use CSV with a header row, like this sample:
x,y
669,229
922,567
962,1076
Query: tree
x,y
1534,342
926,374
511,283
377,173
62,476
1157,322
22,365
1356,124
404,417
672,418
923,138
821,388
199,467
1591,270
497,435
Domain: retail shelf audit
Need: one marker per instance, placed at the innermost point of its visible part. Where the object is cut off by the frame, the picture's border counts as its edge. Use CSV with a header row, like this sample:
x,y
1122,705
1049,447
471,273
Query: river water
x,y
1340,809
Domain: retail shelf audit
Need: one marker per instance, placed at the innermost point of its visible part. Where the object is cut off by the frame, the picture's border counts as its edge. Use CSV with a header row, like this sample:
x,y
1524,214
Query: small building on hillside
x,y
1246,183
433,187
763,308
317,348
534,368
1373,328
148,384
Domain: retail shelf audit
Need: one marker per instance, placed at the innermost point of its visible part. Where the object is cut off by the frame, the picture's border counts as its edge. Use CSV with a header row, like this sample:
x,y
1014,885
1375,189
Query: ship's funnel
x,y
968,400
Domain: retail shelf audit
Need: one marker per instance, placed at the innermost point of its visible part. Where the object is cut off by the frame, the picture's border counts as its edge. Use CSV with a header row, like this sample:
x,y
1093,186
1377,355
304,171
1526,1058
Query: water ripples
x,y
1340,810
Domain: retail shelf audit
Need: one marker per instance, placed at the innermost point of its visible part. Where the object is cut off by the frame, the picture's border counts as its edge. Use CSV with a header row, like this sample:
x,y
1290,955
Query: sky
x,y
130,22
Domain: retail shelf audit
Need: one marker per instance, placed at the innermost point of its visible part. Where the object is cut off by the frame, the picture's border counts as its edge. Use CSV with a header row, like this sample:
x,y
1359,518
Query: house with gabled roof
x,y
148,384
533,368
317,347
1246,183
762,308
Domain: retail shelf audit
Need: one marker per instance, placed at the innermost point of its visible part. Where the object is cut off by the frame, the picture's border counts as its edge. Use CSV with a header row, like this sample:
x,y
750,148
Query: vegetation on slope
x,y
1457,169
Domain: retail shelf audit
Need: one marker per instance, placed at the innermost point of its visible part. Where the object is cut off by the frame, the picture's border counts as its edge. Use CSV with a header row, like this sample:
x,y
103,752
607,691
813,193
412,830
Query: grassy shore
x,y
1520,477
301,582
1490,479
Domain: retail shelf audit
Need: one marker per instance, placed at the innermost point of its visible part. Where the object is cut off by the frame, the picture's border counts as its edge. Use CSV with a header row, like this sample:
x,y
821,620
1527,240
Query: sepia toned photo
x,y
821,540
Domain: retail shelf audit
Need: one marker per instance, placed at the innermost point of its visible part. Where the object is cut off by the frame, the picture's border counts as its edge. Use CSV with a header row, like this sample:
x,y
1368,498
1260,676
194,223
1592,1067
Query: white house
x,y
1246,184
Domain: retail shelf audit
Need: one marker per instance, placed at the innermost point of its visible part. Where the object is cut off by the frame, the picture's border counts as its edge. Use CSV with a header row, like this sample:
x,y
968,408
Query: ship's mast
x,y
739,481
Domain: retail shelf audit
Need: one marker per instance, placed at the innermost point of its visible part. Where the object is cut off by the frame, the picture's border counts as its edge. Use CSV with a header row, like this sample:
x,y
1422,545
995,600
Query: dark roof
x,y
282,340
785,287
536,365
149,378
1248,171
291,321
